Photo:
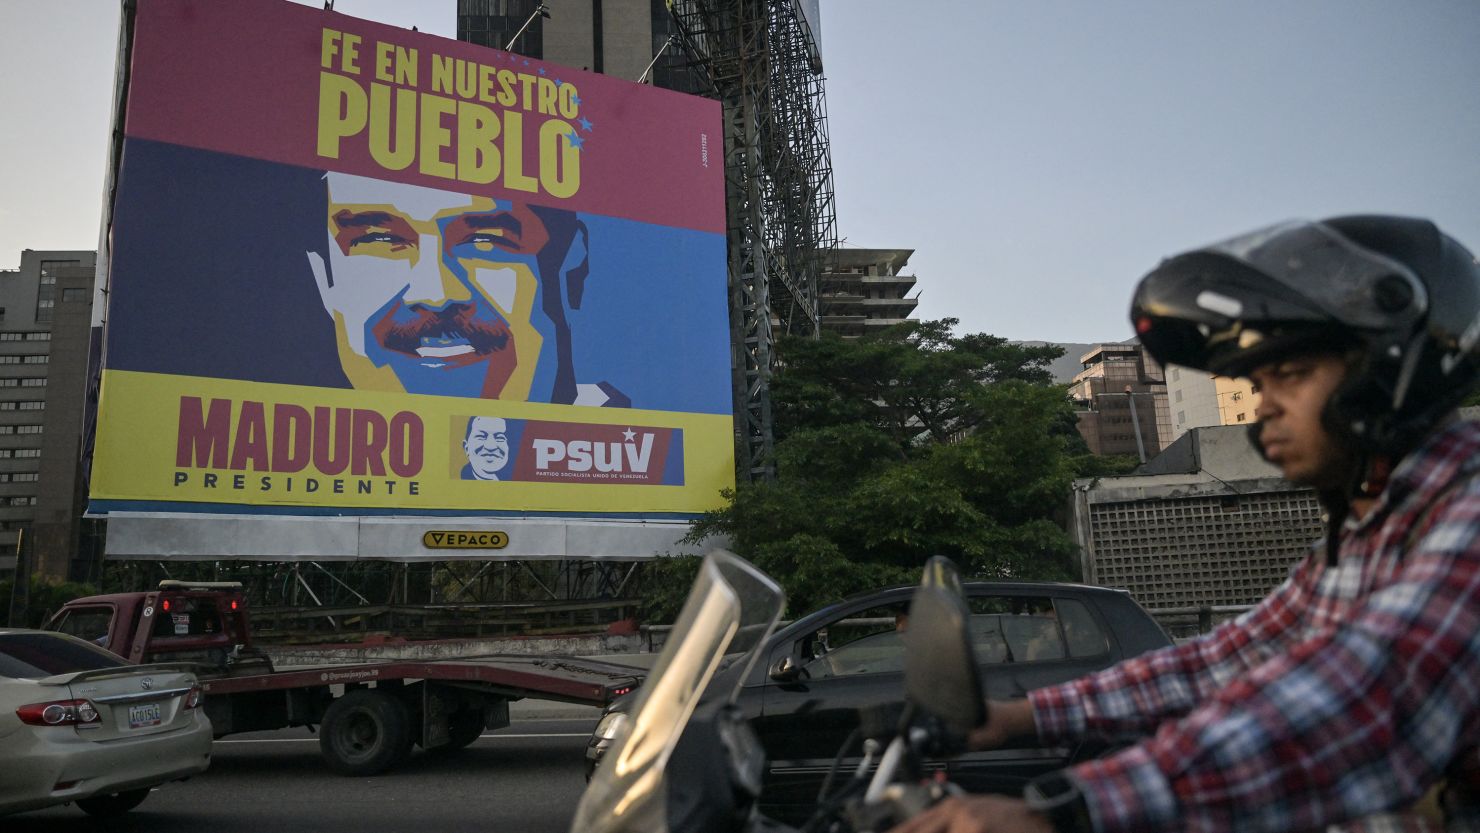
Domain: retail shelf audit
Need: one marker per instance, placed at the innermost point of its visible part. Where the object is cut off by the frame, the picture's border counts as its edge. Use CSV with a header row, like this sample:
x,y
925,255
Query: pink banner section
x,y
293,84
570,452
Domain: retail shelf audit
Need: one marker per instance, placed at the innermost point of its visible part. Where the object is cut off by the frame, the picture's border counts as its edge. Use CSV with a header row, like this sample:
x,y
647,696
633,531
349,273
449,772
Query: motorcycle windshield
x,y
730,611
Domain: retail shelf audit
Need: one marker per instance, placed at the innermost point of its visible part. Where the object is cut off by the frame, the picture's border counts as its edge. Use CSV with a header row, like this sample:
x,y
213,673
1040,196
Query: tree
x,y
898,446
46,598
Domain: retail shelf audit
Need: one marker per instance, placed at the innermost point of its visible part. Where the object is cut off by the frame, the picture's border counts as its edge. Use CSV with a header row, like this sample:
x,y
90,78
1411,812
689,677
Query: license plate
x,y
141,716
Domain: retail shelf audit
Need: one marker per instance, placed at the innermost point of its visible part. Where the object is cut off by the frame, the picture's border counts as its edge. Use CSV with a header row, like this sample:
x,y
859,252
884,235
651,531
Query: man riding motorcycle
x,y
1353,690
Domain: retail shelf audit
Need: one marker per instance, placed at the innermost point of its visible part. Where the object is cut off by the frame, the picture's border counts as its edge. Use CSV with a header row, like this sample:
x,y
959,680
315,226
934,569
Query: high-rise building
x,y
45,326
863,290
1198,399
613,37
1121,400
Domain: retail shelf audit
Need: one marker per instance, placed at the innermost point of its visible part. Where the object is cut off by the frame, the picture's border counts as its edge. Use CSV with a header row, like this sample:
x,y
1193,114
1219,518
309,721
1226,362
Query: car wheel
x,y
116,804
364,732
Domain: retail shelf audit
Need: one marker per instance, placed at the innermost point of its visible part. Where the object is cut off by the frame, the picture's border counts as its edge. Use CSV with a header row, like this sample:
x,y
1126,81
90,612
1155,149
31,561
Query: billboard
x,y
360,270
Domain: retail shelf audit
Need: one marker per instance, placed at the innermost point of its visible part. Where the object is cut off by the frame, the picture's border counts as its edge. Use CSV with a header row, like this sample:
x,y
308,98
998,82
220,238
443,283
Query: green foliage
x,y
1109,465
1472,401
666,583
46,598
896,447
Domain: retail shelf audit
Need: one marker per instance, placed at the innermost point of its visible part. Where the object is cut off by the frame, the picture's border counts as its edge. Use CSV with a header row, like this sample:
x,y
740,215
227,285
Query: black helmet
x,y
1401,293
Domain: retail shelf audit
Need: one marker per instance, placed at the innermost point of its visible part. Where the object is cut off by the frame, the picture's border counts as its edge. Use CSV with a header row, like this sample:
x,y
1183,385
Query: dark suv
x,y
804,693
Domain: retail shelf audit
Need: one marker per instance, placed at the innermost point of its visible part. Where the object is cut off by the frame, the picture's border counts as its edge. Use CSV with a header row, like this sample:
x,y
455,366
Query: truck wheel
x,y
116,804
364,732
464,728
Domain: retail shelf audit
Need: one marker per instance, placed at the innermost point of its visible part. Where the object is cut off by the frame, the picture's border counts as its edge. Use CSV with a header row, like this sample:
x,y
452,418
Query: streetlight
x,y
672,41
1130,396
539,11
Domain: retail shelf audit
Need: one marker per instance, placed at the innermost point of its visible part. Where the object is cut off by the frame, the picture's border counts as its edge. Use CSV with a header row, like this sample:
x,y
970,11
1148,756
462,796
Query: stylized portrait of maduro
x,y
435,292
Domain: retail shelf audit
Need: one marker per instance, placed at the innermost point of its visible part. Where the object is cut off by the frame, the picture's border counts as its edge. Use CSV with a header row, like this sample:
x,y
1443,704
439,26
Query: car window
x,y
1031,629
1083,634
89,623
864,642
186,617
35,655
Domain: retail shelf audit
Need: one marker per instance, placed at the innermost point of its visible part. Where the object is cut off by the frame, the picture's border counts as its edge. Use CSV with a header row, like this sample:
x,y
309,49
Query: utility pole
x,y
20,592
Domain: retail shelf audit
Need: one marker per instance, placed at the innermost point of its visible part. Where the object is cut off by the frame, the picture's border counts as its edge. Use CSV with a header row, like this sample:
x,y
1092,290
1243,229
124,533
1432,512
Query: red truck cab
x,y
199,622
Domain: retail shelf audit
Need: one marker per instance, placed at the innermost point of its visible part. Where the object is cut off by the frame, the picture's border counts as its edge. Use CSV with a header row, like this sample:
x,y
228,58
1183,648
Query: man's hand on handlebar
x,y
977,814
1007,720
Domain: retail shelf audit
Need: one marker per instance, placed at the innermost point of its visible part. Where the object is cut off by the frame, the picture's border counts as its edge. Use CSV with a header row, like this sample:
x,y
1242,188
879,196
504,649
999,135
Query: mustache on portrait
x,y
453,321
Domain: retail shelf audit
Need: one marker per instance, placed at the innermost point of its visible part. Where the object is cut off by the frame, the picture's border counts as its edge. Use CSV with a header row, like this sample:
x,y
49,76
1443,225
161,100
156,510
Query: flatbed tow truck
x,y
368,716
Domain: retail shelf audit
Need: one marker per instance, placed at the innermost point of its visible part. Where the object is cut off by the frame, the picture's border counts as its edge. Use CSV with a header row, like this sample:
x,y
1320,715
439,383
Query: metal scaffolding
x,y
759,59
338,600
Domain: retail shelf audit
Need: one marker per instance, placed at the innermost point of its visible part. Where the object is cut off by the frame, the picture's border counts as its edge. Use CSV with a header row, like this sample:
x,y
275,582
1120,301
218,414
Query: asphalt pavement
x,y
525,778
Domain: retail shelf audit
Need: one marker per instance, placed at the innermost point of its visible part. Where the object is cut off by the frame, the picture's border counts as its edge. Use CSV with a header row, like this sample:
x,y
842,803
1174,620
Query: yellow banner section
x,y
217,441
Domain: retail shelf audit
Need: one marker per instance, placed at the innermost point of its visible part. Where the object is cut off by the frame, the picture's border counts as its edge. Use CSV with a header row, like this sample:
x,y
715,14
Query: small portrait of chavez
x,y
489,444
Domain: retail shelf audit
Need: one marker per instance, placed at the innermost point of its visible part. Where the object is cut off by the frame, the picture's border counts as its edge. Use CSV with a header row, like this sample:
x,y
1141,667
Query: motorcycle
x,y
687,761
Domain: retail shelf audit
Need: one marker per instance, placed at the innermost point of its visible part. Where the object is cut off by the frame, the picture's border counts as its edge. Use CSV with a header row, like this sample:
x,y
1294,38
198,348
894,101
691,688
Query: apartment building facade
x,y
45,327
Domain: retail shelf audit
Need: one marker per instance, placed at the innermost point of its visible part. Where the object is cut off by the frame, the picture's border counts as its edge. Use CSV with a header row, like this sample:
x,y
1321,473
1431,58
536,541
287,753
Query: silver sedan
x,y
78,724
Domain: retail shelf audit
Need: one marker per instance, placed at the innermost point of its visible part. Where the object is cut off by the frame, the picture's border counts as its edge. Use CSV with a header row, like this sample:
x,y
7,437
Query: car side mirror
x,y
786,670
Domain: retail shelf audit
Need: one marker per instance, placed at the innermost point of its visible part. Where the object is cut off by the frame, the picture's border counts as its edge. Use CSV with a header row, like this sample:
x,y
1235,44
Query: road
x,y
525,778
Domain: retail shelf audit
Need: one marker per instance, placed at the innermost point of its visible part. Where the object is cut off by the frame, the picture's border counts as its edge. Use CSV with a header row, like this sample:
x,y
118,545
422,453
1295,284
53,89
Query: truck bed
x,y
564,679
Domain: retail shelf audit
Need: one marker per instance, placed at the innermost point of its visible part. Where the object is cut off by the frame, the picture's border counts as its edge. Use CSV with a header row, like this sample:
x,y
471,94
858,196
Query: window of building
x,y
21,500
33,382
1179,396
19,477
1240,417
33,336
42,359
27,452
26,429
25,405
1237,395
73,295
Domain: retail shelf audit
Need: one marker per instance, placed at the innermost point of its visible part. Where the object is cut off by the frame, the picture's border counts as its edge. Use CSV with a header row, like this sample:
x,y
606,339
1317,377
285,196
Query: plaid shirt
x,y
1342,697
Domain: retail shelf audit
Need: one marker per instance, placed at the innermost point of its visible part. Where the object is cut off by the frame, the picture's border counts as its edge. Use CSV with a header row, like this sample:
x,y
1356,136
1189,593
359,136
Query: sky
x,y
1039,157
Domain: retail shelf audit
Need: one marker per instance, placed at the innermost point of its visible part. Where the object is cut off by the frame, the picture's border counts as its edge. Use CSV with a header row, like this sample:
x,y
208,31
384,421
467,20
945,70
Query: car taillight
x,y
192,699
164,605
60,713
233,604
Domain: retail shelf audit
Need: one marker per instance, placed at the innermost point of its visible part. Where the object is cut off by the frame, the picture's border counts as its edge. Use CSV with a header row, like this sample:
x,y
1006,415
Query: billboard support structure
x,y
759,58
335,599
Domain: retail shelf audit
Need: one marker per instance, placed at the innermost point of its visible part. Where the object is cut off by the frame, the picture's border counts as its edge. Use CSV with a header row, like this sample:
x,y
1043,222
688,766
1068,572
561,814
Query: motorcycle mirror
x,y
940,671
786,670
